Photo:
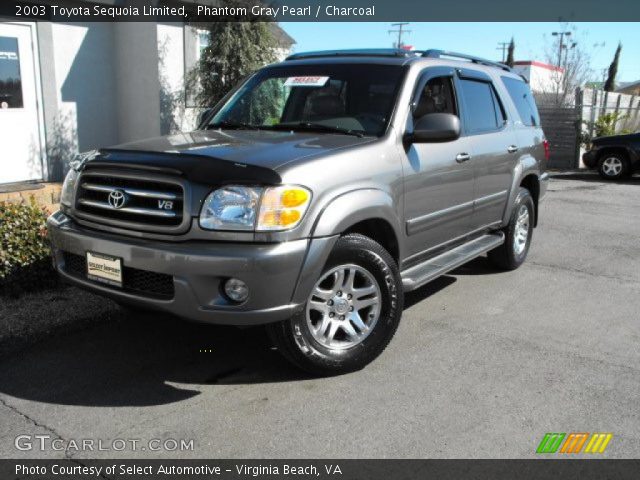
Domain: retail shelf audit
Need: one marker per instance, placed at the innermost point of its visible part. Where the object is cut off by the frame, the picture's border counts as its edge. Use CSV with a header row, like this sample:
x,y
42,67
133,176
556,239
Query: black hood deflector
x,y
195,168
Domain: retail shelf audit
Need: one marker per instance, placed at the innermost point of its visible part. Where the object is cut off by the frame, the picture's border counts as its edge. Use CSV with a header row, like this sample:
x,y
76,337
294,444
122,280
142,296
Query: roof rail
x,y
432,53
364,52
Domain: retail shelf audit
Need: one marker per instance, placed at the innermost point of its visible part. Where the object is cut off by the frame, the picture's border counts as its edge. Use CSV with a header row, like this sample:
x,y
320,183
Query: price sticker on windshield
x,y
306,81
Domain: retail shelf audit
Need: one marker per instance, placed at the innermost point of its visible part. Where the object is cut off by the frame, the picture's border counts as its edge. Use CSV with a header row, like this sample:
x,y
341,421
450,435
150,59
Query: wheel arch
x,y
615,149
369,212
532,183
527,175
627,152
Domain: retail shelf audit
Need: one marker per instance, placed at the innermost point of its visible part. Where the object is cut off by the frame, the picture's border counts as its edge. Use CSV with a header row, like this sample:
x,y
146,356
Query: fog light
x,y
236,290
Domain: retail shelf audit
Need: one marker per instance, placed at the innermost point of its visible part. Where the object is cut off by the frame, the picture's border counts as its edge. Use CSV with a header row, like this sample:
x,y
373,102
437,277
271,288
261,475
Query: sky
x,y
480,39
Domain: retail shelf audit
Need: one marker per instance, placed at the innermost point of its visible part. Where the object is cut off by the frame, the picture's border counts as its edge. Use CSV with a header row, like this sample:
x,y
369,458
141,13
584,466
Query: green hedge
x,y
25,263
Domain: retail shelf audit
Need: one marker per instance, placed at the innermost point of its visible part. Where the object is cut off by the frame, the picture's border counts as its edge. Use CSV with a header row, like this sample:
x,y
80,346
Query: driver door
x,y
439,179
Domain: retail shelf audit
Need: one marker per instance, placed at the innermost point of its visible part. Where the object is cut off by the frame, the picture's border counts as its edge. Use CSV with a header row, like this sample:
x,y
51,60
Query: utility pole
x,y
399,30
561,45
504,46
567,48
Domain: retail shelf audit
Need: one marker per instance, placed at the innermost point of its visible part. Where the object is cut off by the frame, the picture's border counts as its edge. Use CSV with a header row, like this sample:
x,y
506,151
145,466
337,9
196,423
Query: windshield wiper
x,y
319,127
233,126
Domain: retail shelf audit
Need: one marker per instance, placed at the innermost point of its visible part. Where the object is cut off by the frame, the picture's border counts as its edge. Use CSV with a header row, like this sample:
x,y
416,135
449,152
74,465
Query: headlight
x,y
70,181
69,187
230,208
282,207
236,208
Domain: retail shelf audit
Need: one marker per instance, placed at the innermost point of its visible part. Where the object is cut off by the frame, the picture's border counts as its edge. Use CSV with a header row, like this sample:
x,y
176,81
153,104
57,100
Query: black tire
x,y
507,256
294,339
613,166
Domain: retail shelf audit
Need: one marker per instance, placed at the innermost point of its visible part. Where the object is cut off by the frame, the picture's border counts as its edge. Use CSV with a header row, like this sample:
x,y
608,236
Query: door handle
x,y
512,149
462,157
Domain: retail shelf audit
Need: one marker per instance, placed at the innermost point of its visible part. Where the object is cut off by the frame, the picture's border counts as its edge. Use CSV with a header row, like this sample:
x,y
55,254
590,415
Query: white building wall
x,y
137,81
84,86
542,78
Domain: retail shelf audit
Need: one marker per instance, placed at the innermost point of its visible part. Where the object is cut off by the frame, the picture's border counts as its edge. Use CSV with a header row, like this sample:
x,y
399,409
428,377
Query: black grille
x,y
143,282
147,202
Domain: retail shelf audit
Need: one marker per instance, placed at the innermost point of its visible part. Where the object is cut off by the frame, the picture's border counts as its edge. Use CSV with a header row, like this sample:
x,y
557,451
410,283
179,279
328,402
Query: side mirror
x,y
204,115
435,127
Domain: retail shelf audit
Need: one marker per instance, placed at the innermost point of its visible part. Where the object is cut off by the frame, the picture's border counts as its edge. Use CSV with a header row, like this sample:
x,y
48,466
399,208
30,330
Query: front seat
x,y
326,106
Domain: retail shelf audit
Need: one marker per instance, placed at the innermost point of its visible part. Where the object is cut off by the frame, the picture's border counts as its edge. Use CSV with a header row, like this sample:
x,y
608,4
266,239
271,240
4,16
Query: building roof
x,y
282,37
535,63
628,86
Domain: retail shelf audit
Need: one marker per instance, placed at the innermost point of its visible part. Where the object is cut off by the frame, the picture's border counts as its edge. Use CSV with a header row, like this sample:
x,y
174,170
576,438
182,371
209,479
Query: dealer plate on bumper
x,y
104,269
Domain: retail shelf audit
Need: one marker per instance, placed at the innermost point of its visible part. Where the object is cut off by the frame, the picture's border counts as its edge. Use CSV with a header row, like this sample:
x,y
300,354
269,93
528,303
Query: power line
x,y
400,30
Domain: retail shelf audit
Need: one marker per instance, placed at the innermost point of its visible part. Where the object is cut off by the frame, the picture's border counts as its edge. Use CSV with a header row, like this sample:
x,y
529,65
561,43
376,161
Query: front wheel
x,y
351,314
513,252
613,166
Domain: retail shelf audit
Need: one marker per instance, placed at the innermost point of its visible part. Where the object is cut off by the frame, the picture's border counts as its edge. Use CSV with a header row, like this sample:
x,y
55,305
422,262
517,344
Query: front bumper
x,y
589,158
277,289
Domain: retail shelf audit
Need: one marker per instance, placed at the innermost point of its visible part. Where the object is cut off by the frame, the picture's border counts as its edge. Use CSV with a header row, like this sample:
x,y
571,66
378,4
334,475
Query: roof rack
x,y
398,52
432,53
364,52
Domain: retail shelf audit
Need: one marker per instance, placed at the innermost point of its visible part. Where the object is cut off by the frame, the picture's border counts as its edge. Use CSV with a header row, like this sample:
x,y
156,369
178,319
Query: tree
x,y
236,49
574,64
610,84
510,60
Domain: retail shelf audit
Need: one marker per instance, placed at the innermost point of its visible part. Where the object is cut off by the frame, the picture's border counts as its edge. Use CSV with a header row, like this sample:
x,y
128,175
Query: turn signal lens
x,y
287,217
294,197
282,207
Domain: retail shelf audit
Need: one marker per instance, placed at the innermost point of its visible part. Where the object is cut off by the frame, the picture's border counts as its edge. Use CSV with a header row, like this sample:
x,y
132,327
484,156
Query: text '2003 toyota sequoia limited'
x,y
312,197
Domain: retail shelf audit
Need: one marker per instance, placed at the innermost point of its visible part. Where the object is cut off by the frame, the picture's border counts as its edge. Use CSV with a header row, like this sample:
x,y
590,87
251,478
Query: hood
x,y
617,138
202,154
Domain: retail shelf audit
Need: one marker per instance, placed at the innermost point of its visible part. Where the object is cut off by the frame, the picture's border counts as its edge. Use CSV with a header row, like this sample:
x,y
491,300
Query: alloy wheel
x,y
344,307
612,166
521,233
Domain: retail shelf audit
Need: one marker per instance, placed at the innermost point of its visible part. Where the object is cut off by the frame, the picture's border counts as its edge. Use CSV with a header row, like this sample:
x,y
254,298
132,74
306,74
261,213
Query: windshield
x,y
332,98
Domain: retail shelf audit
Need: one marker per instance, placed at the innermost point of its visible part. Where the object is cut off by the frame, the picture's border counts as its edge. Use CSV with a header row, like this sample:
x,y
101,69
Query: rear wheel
x,y
613,166
351,314
513,252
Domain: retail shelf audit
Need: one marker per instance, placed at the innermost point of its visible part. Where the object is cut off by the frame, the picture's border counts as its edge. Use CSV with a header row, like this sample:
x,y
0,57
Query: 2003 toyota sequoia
x,y
312,197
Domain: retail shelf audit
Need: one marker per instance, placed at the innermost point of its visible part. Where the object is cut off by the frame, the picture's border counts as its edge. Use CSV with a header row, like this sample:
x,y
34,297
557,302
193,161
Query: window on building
x,y
522,97
484,112
10,79
204,40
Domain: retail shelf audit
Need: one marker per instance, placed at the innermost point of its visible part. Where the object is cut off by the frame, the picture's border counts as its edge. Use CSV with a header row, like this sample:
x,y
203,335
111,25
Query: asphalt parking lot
x,y
483,365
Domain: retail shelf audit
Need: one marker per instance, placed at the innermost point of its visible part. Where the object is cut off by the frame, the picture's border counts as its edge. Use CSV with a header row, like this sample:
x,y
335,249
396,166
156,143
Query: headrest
x,y
327,106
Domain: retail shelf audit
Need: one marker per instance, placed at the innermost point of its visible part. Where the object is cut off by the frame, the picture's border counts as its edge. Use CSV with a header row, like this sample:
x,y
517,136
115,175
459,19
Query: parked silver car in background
x,y
312,197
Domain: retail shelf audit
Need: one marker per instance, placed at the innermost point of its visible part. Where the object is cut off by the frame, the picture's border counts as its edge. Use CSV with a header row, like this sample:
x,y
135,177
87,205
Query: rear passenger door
x,y
493,144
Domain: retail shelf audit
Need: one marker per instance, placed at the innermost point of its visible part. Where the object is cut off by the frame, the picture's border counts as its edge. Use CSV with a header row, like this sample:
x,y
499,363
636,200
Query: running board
x,y
422,273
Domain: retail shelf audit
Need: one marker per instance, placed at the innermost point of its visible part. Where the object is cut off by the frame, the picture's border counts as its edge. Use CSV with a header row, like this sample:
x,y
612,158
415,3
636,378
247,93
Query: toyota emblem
x,y
117,199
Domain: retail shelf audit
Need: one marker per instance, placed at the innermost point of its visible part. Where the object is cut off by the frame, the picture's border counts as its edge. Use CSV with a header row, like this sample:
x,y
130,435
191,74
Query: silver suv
x,y
312,197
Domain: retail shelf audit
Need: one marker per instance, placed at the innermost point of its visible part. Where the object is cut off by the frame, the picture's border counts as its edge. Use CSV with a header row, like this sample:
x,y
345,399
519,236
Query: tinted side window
x,y
521,95
436,97
484,112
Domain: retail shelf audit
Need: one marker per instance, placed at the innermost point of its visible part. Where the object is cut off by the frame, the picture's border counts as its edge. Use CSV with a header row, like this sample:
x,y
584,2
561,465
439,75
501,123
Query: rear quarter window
x,y
523,99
